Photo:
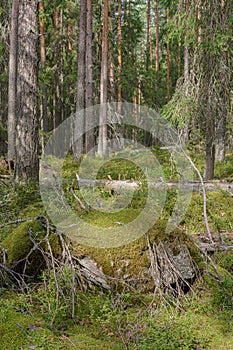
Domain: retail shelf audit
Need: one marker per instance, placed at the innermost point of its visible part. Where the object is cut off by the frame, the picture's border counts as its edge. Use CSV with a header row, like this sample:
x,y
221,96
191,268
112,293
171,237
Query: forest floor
x,y
200,319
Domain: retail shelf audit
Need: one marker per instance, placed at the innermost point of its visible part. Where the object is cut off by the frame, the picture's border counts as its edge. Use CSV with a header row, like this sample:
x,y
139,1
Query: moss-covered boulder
x,y
21,252
177,258
159,258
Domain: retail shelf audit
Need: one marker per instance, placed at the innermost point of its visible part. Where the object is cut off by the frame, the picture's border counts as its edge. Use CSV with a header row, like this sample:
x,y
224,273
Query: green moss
x,y
224,170
133,259
18,246
18,243
18,331
86,341
102,219
219,212
225,260
220,286
12,325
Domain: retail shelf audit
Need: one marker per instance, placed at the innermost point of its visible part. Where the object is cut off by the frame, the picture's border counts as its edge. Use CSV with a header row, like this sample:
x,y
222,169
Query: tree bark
x,y
220,137
102,145
199,8
43,67
27,137
12,89
80,101
168,64
89,83
210,112
186,51
148,38
224,92
157,37
119,39
70,30
57,56
113,91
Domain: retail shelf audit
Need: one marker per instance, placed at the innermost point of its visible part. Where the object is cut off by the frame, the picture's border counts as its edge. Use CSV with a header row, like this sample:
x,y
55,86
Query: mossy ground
x,y
105,321
110,322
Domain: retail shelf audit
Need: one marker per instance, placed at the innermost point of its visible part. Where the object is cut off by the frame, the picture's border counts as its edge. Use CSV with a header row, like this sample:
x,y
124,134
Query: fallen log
x,y
117,185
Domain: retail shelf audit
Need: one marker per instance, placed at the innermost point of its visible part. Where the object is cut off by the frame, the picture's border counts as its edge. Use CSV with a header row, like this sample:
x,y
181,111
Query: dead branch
x,y
82,206
15,222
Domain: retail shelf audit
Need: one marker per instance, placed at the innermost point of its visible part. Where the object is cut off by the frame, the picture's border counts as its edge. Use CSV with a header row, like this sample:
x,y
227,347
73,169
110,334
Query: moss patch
x,y
219,212
132,260
18,246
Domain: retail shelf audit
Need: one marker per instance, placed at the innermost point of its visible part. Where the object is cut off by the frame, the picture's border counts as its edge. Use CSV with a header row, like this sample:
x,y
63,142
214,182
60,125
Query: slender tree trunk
x,y
89,83
168,64
102,146
61,102
12,89
179,43
210,114
157,37
186,51
70,32
80,101
119,39
57,55
112,78
27,138
148,38
185,131
224,91
43,67
199,8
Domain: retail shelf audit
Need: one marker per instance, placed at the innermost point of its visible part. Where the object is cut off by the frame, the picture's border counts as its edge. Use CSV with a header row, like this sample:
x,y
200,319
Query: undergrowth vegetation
x,y
41,317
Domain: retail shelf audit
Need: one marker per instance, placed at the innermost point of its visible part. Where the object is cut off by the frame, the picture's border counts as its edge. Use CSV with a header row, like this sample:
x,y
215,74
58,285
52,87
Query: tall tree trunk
x,y
61,70
185,131
224,92
12,89
210,111
43,67
186,51
70,31
27,138
119,39
57,55
148,38
102,145
80,101
113,92
89,83
179,42
199,8
168,63
157,37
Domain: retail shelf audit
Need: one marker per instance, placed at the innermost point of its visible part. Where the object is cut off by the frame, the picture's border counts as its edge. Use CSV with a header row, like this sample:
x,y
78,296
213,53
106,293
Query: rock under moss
x,y
19,248
132,262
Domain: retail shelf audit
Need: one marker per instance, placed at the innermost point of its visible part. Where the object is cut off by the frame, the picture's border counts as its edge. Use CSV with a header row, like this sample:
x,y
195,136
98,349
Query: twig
x,y
15,222
82,206
204,195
